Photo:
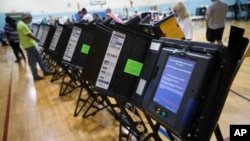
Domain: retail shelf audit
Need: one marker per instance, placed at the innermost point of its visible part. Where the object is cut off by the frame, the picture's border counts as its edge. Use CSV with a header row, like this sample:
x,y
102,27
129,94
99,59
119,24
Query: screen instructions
x,y
173,82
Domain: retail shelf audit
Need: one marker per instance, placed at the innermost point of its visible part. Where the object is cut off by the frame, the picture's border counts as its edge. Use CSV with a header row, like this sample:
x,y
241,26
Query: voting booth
x,y
34,28
59,42
178,87
153,55
97,51
40,31
79,45
75,56
125,54
57,48
46,37
188,86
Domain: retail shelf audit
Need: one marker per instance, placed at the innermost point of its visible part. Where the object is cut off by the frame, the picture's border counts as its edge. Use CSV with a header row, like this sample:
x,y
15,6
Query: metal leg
x,y
218,133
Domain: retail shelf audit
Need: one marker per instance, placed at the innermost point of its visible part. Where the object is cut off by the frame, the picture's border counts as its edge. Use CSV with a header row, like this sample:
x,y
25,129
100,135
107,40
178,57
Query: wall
x,y
58,6
37,6
44,8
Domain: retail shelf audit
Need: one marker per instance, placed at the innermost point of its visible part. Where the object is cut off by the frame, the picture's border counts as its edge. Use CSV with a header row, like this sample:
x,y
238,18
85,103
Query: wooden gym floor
x,y
34,111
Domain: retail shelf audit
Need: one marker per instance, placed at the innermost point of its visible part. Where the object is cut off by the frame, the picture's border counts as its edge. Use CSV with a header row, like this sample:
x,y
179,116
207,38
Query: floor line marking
x,y
7,113
240,95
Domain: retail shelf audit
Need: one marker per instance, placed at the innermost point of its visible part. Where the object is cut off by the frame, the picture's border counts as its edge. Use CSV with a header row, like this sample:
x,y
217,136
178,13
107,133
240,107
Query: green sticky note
x,y
133,67
85,49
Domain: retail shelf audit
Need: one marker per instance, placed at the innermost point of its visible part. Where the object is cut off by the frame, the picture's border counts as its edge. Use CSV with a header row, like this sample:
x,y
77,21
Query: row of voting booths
x,y
143,70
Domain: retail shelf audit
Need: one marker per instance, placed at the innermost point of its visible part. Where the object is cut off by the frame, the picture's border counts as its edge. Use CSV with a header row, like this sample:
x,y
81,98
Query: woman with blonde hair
x,y
183,19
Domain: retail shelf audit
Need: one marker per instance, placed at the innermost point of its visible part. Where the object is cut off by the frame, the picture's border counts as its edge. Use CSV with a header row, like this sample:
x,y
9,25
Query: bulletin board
x,y
97,2
15,16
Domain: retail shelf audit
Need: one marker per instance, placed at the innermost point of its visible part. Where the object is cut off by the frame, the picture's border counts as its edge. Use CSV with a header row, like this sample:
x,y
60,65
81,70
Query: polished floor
x,y
34,111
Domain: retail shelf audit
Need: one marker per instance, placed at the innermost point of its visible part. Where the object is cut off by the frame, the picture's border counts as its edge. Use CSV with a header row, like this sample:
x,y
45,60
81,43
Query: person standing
x,y
110,14
97,18
184,20
215,21
28,42
79,16
2,35
12,36
86,16
136,13
236,9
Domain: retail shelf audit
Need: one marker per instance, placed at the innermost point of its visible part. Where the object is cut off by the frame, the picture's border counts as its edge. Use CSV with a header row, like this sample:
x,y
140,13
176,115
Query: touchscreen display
x,y
173,82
